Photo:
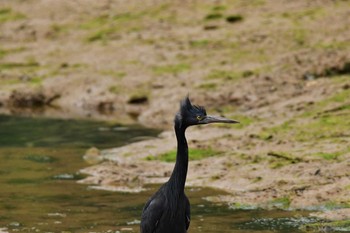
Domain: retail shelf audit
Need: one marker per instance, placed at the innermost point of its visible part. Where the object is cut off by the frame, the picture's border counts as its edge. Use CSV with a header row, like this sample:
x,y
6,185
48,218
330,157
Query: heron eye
x,y
199,118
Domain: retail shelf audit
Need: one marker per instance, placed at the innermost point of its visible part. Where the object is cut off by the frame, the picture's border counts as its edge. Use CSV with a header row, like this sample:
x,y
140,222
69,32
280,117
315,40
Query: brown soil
x,y
283,71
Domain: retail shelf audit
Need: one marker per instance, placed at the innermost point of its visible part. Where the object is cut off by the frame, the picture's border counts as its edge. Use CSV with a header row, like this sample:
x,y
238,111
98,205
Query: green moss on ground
x,y
194,154
325,120
229,75
243,120
107,27
114,74
341,226
280,203
208,86
171,69
281,159
213,16
242,206
17,65
7,14
328,156
6,51
114,89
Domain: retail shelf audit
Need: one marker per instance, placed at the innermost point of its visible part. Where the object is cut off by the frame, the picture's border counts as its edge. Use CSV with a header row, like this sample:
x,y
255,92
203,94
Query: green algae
x,y
334,226
194,154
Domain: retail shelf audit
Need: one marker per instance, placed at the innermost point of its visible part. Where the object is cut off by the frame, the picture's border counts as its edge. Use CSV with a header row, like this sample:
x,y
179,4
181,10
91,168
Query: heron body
x,y
168,210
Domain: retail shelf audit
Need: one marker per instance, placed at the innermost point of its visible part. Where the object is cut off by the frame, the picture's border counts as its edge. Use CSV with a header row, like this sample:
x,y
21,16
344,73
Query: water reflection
x,y
39,159
18,131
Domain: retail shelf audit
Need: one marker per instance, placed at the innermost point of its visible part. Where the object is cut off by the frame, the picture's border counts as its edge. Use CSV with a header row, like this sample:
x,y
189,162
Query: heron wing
x,y
151,214
188,213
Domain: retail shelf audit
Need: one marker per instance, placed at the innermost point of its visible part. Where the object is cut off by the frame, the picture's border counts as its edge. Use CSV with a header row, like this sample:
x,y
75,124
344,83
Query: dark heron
x,y
168,210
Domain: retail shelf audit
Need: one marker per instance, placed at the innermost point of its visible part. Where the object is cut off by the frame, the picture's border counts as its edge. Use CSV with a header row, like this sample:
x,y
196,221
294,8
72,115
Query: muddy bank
x,y
117,59
255,179
281,69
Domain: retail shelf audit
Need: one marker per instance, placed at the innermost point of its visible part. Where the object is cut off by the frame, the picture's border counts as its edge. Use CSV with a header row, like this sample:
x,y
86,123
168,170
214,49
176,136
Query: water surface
x,y
38,172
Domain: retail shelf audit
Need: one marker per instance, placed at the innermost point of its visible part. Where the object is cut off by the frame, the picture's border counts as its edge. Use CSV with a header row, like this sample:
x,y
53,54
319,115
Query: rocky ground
x,y
282,68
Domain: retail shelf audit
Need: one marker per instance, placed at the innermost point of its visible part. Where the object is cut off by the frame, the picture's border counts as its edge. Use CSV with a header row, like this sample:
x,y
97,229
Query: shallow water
x,y
38,172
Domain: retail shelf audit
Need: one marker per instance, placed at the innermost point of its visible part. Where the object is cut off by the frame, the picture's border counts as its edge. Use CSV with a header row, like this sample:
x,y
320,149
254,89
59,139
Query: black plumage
x,y
168,210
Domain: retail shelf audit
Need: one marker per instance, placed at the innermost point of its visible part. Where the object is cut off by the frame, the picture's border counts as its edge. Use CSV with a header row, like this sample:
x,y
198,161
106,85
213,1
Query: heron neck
x,y
178,177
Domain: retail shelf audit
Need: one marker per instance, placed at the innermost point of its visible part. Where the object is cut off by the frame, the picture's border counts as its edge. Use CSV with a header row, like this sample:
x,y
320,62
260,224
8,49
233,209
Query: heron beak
x,y
217,119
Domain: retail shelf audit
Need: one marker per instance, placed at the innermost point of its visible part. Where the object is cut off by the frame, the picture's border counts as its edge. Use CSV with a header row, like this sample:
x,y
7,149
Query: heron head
x,y
196,115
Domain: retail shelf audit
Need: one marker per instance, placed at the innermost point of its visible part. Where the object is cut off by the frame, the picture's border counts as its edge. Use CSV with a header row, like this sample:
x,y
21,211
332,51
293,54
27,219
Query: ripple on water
x,y
38,184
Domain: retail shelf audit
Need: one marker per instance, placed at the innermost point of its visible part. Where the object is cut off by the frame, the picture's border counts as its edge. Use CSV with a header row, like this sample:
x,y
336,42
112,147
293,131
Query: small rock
x,y
15,224
93,156
346,86
105,106
3,230
25,78
64,176
234,18
210,27
138,100
157,86
309,77
318,172
64,65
